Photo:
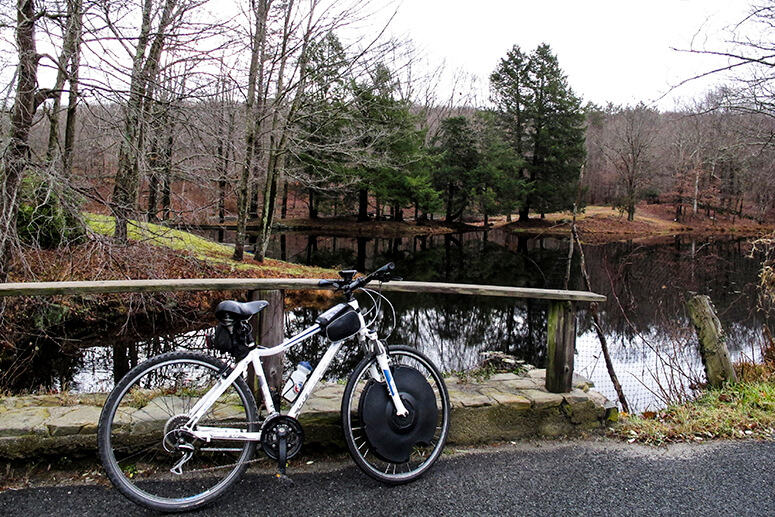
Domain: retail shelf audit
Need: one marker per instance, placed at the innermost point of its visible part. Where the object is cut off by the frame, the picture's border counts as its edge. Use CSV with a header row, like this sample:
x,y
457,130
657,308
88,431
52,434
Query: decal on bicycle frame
x,y
389,381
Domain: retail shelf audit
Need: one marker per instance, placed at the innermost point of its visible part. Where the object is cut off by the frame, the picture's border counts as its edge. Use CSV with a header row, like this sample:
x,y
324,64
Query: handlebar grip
x,y
387,267
328,283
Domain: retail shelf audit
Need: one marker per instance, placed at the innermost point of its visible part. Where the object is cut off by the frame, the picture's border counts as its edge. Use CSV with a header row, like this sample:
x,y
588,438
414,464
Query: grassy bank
x,y
744,410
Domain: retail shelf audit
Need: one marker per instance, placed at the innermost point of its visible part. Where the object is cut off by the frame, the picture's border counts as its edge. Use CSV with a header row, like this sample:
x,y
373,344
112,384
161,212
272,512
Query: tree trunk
x,y
15,159
166,195
696,191
252,123
363,205
284,210
72,100
313,208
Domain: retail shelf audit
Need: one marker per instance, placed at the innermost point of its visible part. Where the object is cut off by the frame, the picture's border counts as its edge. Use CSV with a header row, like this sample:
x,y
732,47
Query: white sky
x,y
611,50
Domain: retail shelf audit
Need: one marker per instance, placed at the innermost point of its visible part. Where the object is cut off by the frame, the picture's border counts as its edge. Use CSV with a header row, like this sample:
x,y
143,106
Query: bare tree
x,y
17,156
134,43
282,35
157,20
629,146
68,66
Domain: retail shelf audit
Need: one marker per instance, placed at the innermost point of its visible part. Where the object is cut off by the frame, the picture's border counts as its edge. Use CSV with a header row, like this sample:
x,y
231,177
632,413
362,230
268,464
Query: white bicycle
x,y
182,427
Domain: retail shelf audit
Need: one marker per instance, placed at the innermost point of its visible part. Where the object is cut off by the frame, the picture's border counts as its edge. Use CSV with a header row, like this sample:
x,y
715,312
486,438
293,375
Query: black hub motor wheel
x,y
389,448
392,437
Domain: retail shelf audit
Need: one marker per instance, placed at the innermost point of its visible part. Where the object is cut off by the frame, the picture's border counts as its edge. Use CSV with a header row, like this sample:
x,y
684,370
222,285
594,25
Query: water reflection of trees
x,y
646,286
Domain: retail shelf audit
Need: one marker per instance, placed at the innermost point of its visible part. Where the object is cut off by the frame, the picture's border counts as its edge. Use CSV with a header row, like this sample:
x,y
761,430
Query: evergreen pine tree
x,y
544,122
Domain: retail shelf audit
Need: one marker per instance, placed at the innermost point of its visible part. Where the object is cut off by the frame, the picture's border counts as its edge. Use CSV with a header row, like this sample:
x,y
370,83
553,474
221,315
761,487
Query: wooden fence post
x,y
561,346
713,347
269,331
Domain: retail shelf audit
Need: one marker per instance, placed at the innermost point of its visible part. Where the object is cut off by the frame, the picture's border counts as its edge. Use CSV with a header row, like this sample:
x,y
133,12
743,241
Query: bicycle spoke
x,y
147,452
420,458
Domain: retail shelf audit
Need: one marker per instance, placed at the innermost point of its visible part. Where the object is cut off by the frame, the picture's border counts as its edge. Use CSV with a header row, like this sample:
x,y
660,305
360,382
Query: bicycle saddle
x,y
239,310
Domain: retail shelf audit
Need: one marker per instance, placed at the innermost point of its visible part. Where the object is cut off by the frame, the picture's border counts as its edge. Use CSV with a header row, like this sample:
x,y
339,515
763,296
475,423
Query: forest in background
x,y
190,113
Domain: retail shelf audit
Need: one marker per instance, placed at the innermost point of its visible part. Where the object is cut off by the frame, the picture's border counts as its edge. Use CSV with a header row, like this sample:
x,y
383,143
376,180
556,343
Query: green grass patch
x,y
213,253
159,235
744,410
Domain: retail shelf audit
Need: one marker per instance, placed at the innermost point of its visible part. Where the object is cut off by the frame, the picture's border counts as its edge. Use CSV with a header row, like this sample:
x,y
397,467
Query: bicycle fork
x,y
384,372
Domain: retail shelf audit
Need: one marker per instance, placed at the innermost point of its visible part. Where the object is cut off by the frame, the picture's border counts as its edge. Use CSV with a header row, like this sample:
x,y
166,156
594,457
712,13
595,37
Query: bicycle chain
x,y
230,465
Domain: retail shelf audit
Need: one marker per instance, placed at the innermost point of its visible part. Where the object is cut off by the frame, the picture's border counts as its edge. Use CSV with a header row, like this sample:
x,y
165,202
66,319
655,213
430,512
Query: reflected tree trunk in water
x,y
360,259
522,244
125,358
312,247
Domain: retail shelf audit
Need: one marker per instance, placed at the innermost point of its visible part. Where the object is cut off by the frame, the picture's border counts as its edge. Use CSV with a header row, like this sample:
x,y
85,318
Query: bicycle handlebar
x,y
347,284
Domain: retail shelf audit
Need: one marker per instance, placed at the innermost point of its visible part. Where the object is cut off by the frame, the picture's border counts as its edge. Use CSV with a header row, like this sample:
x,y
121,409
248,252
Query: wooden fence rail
x,y
561,331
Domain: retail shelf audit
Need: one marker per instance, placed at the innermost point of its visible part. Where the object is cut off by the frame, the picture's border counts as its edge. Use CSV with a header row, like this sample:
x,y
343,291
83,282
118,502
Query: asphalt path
x,y
584,478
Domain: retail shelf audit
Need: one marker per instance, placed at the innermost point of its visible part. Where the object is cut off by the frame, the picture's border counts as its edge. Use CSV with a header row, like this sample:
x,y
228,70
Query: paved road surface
x,y
584,478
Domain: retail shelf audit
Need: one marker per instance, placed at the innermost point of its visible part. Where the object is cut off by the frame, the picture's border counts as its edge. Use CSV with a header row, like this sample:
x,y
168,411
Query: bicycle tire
x,y
137,423
380,466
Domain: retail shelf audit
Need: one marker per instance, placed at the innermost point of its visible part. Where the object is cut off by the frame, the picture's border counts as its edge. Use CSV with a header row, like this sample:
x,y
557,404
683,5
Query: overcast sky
x,y
611,50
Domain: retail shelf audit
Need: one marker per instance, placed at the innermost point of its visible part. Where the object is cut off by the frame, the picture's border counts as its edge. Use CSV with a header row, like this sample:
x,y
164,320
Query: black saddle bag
x,y
232,339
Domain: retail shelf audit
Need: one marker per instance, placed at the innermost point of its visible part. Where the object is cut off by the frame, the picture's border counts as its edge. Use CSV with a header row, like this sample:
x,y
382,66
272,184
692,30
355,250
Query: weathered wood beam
x,y
712,342
561,346
256,284
271,332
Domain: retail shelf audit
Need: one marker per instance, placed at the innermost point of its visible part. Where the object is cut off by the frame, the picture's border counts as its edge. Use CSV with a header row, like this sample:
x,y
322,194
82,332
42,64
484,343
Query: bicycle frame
x,y
366,337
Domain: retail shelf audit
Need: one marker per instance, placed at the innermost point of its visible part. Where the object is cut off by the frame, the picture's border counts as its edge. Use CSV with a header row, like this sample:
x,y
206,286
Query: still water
x,y
652,342
644,319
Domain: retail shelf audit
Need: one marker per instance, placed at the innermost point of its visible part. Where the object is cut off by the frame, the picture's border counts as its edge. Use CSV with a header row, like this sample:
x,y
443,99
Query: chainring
x,y
391,437
270,436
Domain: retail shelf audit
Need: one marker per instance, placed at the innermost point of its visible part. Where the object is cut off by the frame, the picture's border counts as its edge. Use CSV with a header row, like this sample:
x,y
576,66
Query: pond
x,y
652,343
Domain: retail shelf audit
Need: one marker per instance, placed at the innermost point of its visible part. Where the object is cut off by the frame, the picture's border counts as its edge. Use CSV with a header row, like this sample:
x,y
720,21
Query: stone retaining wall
x,y
503,407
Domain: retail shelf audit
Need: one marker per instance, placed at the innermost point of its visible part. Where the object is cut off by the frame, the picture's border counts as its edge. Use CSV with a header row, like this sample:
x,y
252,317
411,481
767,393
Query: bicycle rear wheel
x,y
140,438
388,448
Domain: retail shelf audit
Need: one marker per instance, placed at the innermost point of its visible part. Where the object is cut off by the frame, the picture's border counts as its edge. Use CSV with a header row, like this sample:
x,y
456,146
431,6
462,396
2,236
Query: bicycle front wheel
x,y
389,448
144,449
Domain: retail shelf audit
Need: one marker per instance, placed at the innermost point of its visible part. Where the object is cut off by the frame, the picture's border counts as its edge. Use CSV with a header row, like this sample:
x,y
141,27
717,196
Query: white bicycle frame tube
x,y
208,434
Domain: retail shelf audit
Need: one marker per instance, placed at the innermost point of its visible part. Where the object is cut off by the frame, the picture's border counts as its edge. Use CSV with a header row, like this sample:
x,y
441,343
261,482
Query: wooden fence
x,y
561,331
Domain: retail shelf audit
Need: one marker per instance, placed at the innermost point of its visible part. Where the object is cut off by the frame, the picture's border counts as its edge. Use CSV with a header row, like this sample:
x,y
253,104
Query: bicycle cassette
x,y
277,427
392,437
